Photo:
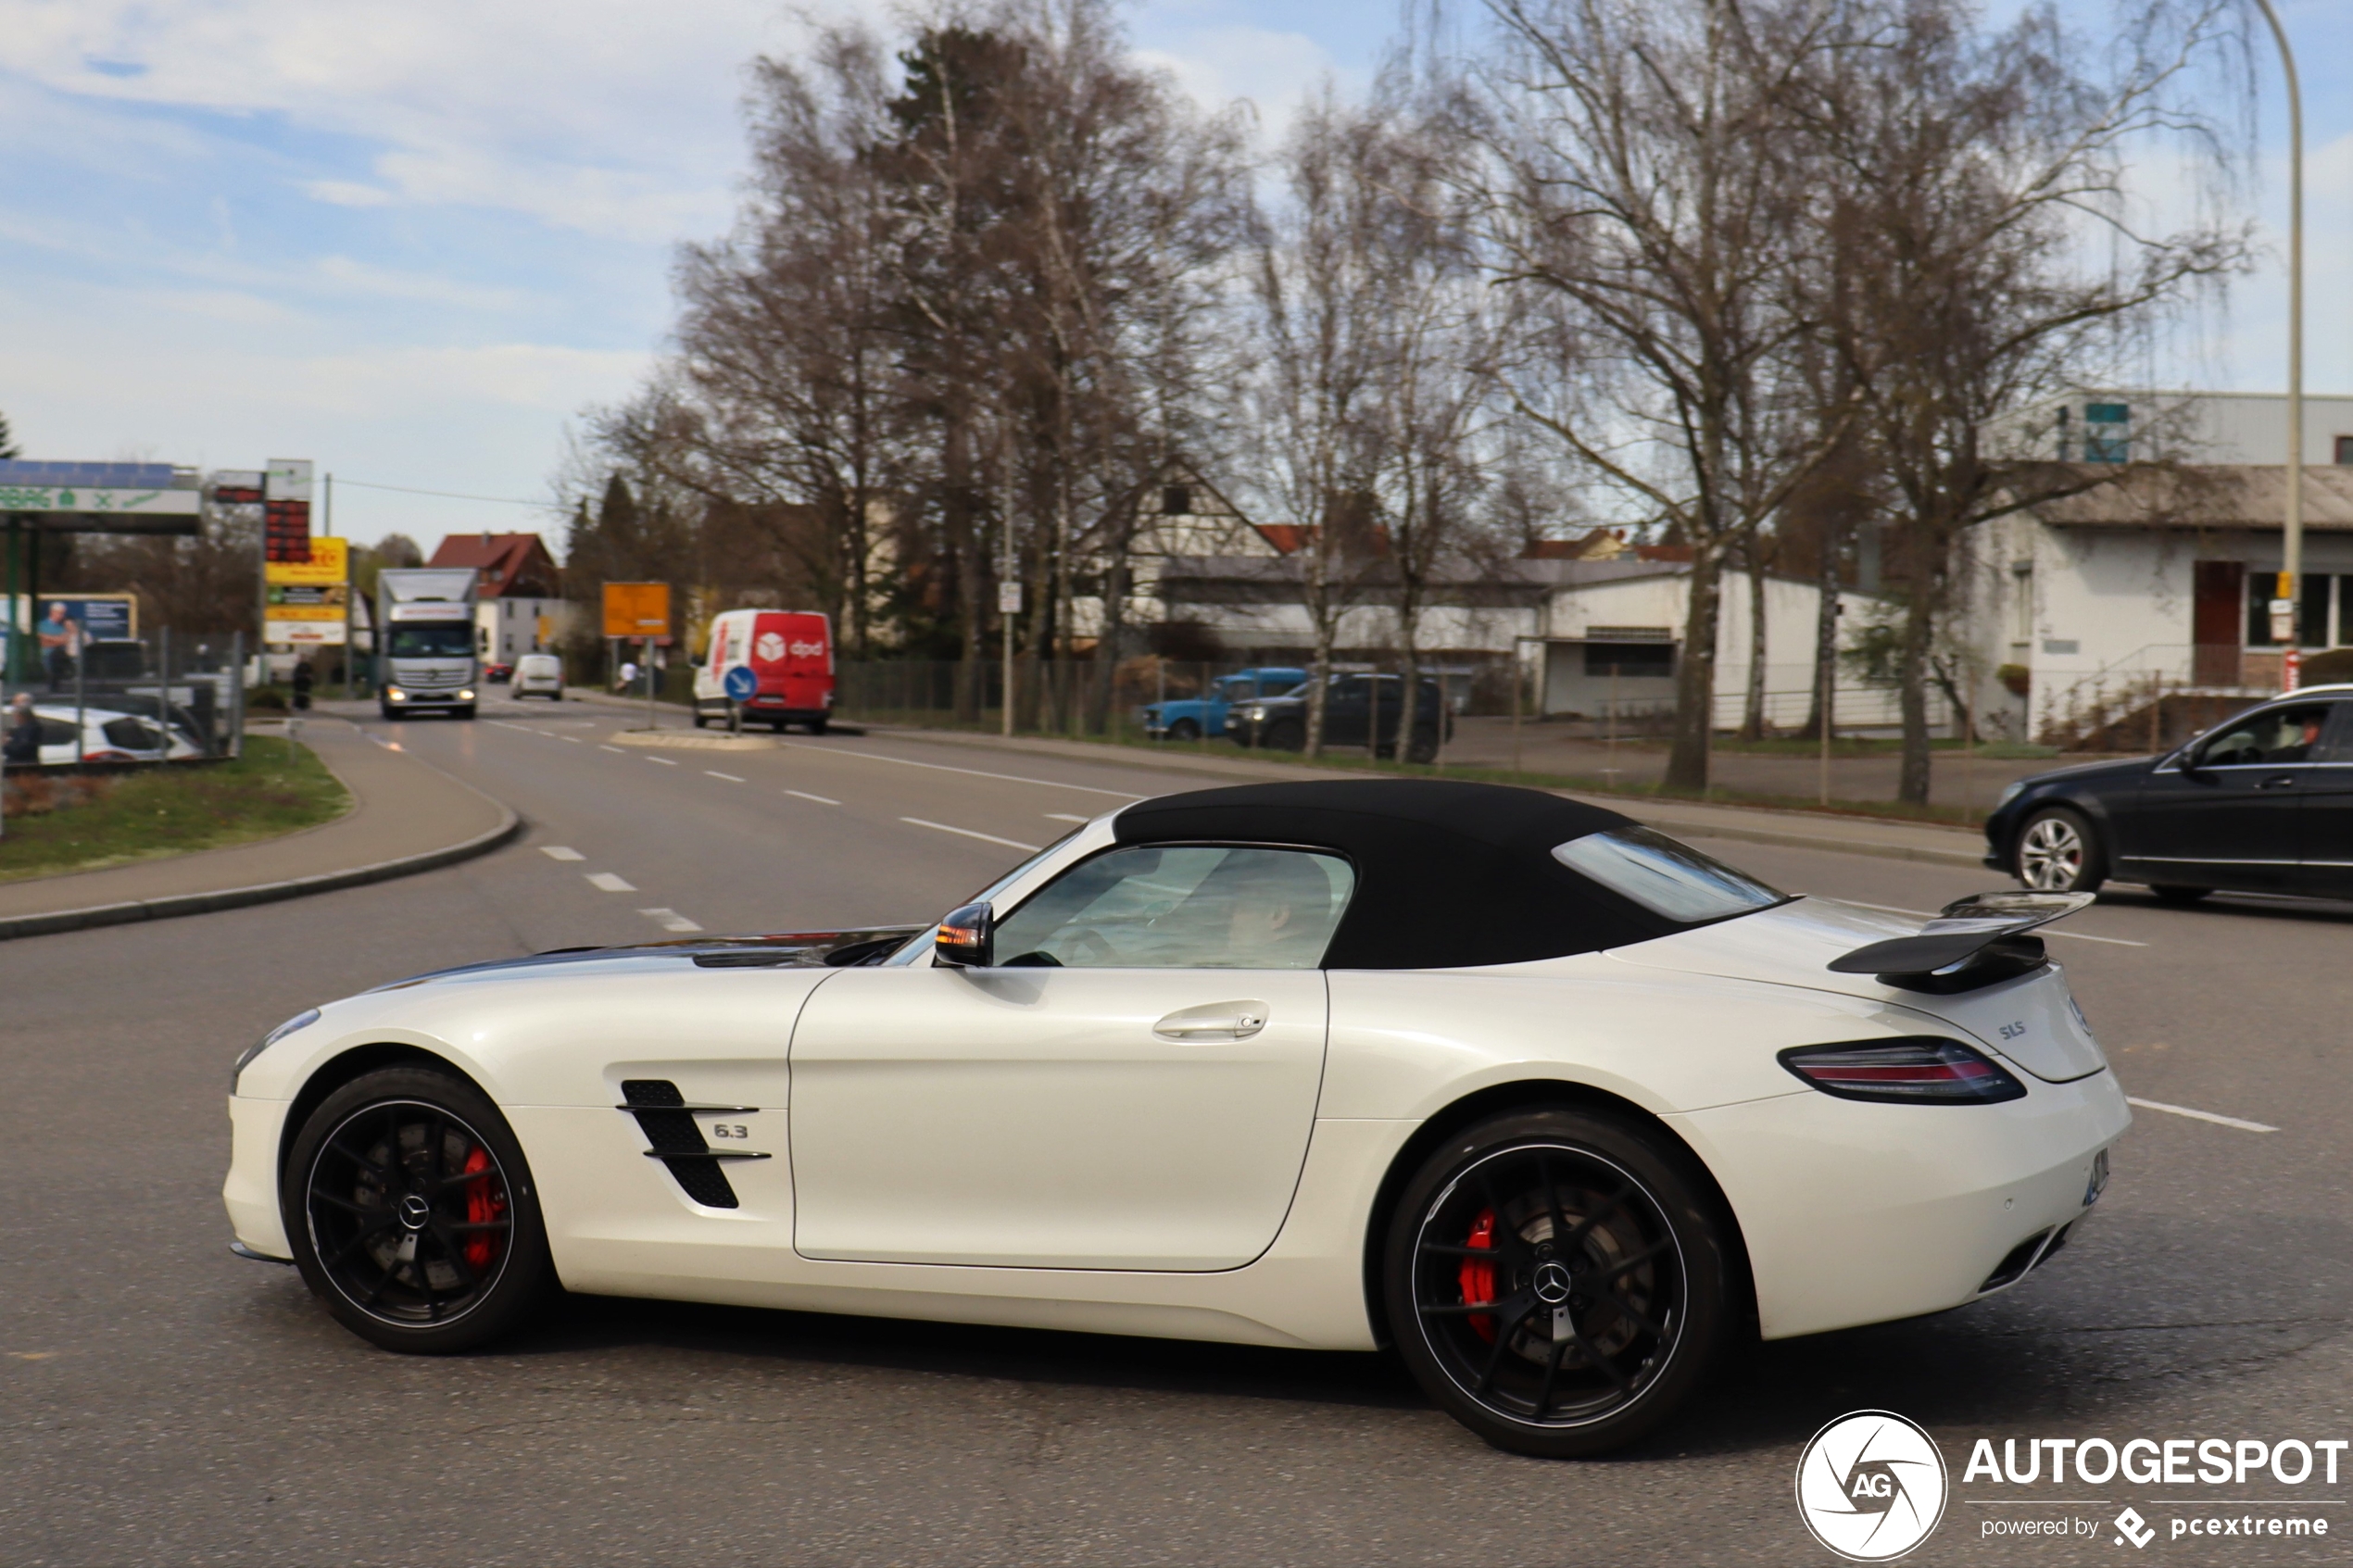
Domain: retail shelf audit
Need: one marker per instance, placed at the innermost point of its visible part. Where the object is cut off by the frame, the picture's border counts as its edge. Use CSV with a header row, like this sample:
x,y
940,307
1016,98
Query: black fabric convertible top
x,y
1448,874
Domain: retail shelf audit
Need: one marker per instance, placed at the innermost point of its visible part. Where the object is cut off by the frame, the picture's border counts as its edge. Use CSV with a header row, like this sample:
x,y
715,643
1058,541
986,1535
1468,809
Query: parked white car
x,y
1550,1102
107,737
538,674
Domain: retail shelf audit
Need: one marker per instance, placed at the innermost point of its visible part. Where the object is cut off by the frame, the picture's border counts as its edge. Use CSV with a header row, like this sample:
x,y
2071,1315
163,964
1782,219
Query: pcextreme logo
x,y
1872,1486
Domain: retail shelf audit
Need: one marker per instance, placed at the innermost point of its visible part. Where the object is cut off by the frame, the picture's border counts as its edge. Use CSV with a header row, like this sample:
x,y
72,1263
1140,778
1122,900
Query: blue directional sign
x,y
741,684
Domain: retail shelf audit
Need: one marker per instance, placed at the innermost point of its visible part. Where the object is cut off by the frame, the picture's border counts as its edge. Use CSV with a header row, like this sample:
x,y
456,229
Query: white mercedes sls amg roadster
x,y
1554,1105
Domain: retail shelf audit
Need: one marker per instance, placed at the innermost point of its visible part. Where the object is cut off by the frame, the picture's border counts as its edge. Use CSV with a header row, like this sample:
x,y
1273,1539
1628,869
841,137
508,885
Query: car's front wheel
x,y
411,1213
1556,1280
2058,852
1183,730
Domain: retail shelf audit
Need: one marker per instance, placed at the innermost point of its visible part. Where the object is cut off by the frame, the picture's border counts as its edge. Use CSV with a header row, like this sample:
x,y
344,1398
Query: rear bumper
x,y
1859,1213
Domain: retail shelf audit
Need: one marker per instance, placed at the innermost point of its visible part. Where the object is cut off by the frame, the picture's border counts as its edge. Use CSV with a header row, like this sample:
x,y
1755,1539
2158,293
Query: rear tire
x,y
816,727
412,1214
2059,852
1608,1281
1424,749
702,720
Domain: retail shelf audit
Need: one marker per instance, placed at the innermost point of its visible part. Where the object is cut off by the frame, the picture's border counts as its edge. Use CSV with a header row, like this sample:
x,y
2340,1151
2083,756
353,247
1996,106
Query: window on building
x,y
1176,500
2316,627
2107,433
1630,658
2345,450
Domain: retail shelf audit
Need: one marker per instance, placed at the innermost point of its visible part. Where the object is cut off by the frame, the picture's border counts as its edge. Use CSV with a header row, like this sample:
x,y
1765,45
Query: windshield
x,y
1665,877
433,639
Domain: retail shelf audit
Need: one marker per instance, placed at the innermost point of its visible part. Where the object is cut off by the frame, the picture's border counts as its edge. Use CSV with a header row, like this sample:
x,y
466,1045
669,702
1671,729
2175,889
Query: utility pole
x,y
2290,601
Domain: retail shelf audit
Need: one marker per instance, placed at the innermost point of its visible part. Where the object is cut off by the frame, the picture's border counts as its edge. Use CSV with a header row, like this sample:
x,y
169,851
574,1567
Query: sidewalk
x,y
407,816
1794,829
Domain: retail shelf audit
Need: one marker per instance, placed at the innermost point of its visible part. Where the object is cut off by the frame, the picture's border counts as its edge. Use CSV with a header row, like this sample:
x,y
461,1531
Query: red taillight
x,y
1916,1070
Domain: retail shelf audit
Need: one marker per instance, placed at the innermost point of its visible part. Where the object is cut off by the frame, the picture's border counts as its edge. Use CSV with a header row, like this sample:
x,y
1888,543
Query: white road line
x,y
561,852
663,761
574,739
2039,931
715,773
820,799
991,837
2198,1115
614,749
509,724
605,881
976,772
670,919
1064,817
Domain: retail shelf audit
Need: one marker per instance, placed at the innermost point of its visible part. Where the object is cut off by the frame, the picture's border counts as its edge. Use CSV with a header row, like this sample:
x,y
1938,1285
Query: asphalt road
x,y
162,1401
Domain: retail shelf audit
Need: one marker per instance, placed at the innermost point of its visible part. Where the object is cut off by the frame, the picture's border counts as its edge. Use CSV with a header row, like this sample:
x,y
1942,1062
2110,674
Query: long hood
x,y
2032,1020
791,949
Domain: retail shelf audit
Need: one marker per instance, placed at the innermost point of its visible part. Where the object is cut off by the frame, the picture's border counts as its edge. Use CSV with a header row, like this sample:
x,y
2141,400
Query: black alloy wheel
x,y
1557,1280
411,1213
2059,852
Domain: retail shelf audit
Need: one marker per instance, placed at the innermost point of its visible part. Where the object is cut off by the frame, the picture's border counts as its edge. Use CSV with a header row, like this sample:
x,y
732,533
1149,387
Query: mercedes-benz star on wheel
x,y
1550,1102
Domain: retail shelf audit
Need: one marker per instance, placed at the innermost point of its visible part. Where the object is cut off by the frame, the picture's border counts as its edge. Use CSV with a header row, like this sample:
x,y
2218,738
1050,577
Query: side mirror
x,y
967,938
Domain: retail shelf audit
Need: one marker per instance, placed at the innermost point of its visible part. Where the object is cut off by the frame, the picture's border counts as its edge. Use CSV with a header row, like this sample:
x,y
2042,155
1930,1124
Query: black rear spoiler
x,y
1974,941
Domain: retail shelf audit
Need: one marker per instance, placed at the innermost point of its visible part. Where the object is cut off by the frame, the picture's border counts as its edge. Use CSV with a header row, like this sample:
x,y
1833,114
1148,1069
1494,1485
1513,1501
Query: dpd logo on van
x,y
1872,1486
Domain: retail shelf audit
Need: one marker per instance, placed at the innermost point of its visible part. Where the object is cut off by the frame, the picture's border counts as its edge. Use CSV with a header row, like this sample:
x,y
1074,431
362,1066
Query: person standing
x,y
22,744
60,645
303,678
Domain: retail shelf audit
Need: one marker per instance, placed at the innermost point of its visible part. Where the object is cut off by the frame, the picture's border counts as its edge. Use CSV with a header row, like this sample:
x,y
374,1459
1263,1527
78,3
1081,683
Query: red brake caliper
x,y
484,1204
1479,1279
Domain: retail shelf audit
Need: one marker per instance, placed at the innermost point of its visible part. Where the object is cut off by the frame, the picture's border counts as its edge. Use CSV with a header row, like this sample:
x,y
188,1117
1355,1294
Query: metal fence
x,y
156,698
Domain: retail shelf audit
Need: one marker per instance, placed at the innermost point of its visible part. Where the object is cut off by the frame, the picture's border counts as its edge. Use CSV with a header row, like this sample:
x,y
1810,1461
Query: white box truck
x,y
425,635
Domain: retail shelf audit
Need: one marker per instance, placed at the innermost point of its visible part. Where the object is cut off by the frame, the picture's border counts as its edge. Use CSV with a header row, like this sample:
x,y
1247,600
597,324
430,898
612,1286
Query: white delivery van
x,y
538,674
790,655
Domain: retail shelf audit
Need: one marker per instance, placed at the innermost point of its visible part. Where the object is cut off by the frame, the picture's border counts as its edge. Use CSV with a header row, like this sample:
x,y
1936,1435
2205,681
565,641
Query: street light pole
x,y
2291,586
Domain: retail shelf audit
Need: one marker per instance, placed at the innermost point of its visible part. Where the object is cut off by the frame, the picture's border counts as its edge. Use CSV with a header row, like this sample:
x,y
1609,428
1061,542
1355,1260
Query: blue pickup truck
x,y
1190,717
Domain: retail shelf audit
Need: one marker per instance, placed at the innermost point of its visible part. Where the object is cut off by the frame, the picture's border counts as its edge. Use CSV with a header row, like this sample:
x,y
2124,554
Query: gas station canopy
x,y
101,497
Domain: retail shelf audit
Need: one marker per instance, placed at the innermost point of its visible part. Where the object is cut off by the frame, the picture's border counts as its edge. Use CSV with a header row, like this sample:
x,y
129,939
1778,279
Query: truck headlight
x,y
394,693
465,696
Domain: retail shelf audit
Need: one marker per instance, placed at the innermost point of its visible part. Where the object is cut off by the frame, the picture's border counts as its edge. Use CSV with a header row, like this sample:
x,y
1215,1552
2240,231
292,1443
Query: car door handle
x,y
2283,782
1218,1020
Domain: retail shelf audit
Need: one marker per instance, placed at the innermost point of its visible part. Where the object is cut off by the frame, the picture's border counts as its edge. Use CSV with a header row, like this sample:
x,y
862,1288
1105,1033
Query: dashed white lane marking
x,y
663,761
988,838
608,883
976,772
2039,931
614,749
561,852
509,724
670,919
1064,817
574,739
820,799
2243,1126
715,773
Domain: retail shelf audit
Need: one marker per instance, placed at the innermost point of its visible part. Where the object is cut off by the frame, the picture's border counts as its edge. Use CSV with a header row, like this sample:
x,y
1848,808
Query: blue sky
x,y
410,242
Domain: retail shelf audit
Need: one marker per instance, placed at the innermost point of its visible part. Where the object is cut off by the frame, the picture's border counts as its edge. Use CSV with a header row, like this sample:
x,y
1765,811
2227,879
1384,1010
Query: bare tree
x,y
1972,175
1323,291
1642,167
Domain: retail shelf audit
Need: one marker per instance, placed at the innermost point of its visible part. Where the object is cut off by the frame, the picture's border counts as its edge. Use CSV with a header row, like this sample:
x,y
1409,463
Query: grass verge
x,y
168,810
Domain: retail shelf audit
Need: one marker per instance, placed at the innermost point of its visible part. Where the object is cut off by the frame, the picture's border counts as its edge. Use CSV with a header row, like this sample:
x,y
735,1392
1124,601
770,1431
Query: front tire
x,y
1284,737
2059,852
412,1214
1183,730
1557,1280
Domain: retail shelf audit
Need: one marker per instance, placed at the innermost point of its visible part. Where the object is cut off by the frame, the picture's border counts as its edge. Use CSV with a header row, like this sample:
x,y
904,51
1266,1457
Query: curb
x,y
261,892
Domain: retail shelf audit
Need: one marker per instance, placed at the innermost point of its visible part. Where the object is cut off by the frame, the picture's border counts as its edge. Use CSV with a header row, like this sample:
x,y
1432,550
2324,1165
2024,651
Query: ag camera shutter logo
x,y
1872,1486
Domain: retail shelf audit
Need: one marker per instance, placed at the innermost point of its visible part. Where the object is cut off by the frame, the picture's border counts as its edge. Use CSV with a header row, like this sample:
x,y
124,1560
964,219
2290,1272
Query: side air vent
x,y
669,1127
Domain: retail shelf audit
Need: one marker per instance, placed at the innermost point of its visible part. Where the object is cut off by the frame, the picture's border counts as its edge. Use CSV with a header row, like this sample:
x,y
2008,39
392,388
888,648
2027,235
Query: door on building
x,y
2215,626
